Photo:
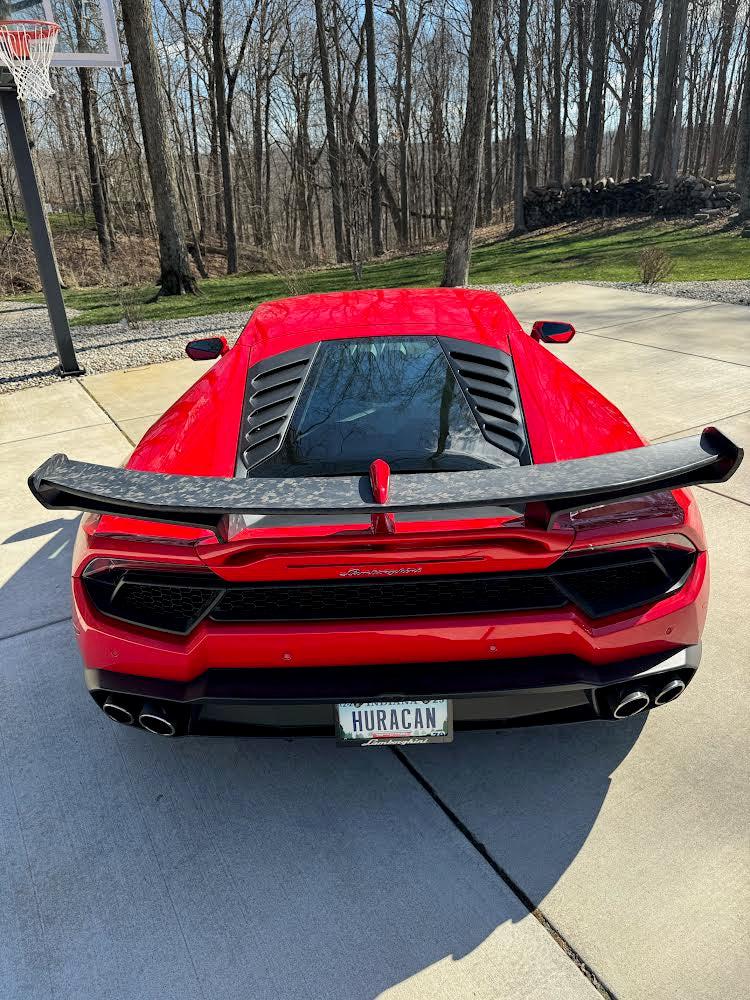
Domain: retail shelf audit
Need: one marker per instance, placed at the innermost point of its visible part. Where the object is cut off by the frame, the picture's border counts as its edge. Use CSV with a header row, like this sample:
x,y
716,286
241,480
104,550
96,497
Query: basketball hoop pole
x,y
39,231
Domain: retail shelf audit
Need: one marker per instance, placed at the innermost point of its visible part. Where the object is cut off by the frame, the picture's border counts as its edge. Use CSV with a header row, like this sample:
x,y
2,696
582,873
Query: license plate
x,y
394,723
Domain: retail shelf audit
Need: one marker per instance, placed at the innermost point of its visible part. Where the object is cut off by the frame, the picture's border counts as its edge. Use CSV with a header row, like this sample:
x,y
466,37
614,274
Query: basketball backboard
x,y
88,28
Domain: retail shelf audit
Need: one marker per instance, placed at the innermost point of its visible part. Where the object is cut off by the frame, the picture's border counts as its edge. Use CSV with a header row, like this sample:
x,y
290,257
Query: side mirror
x,y
550,331
207,348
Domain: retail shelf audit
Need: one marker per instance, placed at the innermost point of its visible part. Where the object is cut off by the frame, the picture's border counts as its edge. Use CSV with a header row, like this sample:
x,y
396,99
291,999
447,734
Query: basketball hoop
x,y
26,49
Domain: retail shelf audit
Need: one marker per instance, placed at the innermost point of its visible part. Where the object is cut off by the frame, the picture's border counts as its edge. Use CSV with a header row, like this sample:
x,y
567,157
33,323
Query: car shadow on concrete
x,y
530,795
38,592
140,866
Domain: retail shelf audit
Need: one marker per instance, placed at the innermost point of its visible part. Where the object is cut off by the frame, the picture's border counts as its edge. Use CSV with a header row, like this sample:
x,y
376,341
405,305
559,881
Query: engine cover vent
x,y
273,387
488,380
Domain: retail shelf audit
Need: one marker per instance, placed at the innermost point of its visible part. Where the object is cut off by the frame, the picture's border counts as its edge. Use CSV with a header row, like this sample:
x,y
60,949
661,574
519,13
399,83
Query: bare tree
x,y
373,134
555,126
222,121
333,127
743,142
672,40
728,19
176,276
458,254
645,19
334,156
596,97
96,180
519,116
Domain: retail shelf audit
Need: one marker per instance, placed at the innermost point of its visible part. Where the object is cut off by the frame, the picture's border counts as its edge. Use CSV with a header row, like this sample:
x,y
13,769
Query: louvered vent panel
x,y
489,382
273,387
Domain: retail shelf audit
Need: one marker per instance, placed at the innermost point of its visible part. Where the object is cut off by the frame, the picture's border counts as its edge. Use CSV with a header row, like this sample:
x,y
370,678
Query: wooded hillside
x,y
303,131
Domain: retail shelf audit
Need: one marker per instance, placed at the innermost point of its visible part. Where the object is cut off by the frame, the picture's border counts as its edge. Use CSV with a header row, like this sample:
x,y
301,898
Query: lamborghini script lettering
x,y
400,571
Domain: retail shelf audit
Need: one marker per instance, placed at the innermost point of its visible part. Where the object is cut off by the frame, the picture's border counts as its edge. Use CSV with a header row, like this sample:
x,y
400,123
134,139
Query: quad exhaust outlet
x,y
154,719
624,702
118,712
670,691
631,704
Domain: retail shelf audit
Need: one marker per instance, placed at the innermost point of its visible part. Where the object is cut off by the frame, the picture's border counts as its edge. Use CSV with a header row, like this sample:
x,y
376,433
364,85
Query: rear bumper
x,y
486,694
661,629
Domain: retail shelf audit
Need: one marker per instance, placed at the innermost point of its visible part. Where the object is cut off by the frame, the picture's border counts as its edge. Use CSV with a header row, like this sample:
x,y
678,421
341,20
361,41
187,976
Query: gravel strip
x,y
735,292
28,358
27,352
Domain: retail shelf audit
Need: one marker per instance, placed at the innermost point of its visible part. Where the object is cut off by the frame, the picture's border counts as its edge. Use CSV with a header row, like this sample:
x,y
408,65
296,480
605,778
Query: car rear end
x,y
510,623
388,516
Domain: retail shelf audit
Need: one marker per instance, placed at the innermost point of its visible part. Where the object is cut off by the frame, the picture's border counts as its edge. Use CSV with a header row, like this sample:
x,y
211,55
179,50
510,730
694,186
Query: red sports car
x,y
387,516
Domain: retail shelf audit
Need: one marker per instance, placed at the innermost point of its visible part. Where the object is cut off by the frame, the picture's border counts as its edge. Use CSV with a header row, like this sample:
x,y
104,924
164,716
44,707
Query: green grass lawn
x,y
58,222
593,252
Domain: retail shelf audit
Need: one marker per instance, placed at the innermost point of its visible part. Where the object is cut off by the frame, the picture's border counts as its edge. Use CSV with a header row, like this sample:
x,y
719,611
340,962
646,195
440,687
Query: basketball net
x,y
26,49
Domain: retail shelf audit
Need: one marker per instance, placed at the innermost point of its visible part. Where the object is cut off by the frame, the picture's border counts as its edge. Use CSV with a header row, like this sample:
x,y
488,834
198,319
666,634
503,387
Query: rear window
x,y
381,397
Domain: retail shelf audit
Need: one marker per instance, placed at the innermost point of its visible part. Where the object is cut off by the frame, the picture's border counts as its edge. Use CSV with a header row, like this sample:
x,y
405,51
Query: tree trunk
x,y
221,123
99,140
675,132
743,141
6,203
582,66
334,158
673,23
519,133
95,174
728,18
487,184
555,127
374,137
596,98
636,118
458,254
617,163
176,276
195,149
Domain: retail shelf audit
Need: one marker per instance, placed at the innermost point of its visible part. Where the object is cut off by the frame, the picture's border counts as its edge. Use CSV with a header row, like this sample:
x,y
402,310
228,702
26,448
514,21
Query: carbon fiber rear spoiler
x,y
205,502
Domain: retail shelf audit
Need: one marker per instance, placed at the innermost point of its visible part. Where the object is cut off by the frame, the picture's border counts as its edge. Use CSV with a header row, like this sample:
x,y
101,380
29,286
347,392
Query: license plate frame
x,y
435,714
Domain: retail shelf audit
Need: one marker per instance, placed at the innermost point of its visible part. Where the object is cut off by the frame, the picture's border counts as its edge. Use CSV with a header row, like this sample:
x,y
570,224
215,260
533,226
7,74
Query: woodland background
x,y
303,132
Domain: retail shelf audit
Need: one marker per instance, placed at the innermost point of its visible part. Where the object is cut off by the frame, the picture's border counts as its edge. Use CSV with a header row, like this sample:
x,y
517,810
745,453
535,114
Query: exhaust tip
x,y
155,720
118,712
670,691
633,703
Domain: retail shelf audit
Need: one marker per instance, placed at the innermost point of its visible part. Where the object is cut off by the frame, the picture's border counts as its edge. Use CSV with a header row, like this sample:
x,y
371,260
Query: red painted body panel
x,y
481,317
565,418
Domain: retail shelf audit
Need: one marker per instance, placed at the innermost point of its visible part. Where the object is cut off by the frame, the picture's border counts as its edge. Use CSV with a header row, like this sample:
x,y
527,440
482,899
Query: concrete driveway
x,y
562,862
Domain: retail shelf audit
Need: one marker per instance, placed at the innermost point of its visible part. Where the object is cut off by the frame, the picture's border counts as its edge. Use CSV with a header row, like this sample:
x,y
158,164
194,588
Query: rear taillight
x,y
104,564
671,540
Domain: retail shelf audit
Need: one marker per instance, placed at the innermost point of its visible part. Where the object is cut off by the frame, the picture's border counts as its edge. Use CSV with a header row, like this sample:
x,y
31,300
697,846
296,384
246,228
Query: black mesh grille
x,y
430,595
600,584
165,601
488,379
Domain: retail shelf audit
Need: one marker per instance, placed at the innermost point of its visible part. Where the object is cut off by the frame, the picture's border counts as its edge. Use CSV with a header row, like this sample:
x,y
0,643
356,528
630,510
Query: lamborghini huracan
x,y
386,516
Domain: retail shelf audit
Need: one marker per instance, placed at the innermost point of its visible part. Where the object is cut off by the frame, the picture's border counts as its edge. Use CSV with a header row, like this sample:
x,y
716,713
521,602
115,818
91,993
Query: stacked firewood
x,y
606,198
